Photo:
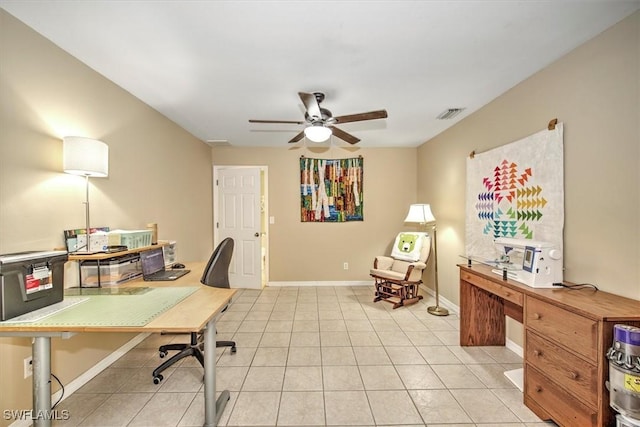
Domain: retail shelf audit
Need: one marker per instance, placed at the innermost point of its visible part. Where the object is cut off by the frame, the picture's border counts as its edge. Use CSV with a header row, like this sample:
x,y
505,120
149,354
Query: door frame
x,y
264,217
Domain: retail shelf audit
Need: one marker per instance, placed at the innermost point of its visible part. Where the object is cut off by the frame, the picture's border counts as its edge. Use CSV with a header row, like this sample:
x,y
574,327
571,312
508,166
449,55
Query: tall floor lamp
x,y
89,158
421,214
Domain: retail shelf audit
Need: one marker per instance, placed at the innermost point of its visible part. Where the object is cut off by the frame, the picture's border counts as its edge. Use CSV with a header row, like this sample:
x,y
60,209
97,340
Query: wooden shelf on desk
x,y
102,256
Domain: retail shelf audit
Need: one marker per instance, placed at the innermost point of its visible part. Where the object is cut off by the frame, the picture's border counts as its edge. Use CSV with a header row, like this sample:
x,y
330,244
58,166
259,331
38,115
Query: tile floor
x,y
316,356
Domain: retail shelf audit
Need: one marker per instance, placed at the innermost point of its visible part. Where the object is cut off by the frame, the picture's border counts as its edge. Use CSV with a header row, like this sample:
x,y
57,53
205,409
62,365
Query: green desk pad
x,y
124,309
111,290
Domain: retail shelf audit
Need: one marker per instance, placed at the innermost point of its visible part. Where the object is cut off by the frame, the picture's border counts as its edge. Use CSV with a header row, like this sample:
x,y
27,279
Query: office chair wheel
x,y
233,350
163,354
157,379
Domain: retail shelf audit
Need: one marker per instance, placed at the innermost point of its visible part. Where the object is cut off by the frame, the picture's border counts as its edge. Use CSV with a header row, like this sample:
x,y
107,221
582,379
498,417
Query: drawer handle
x,y
537,316
574,375
537,353
538,389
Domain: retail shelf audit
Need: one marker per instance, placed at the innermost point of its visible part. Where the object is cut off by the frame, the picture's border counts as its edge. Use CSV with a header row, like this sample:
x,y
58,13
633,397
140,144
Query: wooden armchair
x,y
398,276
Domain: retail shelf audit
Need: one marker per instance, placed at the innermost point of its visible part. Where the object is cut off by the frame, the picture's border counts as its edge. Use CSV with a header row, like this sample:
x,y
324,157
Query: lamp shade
x,y
317,133
420,214
85,156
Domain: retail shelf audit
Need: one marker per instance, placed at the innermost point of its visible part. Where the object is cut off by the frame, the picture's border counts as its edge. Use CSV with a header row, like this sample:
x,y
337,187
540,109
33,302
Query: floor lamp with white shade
x,y
421,214
89,158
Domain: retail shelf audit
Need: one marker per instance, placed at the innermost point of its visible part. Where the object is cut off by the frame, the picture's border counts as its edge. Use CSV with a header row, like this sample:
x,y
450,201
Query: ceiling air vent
x,y
449,113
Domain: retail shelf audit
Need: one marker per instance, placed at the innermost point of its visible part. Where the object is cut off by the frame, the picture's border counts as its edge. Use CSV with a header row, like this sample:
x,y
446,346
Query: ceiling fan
x,y
320,122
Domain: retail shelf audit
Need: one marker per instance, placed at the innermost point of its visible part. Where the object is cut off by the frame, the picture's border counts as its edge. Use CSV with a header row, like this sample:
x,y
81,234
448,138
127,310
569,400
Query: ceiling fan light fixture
x,y
317,133
320,121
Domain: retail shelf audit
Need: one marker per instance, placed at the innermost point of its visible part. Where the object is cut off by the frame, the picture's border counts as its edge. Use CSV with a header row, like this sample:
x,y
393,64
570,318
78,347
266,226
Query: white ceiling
x,y
212,65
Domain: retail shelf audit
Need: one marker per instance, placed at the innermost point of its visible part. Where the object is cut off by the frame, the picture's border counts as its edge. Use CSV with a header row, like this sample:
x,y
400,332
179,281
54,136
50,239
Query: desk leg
x,y
41,351
212,409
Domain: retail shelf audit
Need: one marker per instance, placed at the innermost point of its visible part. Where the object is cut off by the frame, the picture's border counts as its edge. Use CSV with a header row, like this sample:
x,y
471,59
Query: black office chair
x,y
216,274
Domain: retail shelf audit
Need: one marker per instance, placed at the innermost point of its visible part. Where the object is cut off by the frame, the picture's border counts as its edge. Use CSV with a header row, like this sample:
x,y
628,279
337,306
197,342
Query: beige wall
x,y
46,94
317,251
595,92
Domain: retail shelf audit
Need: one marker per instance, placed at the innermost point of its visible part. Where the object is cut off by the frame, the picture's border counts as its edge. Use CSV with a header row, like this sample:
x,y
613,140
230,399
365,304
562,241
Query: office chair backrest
x,y
216,273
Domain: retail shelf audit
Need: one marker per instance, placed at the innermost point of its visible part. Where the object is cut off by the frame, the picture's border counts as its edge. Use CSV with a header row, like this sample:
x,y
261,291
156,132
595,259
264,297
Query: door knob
x,y
257,234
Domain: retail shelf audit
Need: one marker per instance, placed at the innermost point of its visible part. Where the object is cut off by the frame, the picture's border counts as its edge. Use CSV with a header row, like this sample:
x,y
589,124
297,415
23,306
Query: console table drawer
x,y
495,288
563,408
576,375
570,330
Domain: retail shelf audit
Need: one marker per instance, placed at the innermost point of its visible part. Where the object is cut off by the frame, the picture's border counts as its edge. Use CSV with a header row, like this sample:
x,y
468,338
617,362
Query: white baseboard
x,y
323,283
514,347
516,376
74,385
442,301
88,375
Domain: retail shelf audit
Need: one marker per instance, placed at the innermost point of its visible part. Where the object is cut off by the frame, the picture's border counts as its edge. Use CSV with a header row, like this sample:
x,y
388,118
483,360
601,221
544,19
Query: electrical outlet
x,y
28,366
345,266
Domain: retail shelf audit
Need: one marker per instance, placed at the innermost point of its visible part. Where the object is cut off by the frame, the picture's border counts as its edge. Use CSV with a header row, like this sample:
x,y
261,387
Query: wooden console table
x,y
566,335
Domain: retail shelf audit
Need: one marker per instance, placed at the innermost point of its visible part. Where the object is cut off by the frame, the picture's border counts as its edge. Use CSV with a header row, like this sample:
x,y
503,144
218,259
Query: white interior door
x,y
238,215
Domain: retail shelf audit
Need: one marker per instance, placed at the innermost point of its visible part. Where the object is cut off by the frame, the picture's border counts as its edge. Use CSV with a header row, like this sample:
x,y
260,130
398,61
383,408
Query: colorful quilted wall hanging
x,y
516,191
331,190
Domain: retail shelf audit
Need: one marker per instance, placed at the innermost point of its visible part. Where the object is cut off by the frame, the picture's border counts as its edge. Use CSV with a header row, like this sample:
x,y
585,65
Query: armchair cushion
x,y
383,262
399,270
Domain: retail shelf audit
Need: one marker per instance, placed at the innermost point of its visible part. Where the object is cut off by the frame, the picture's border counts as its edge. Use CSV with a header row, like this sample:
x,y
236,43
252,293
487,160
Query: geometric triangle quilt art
x,y
516,190
508,203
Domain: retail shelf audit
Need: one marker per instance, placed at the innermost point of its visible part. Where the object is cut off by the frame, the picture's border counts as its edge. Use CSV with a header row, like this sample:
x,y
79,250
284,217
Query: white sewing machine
x,y
533,263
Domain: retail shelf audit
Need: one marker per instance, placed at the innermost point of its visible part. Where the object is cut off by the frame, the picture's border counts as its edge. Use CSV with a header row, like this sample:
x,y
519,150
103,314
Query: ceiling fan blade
x,y
343,135
311,104
297,138
293,122
371,115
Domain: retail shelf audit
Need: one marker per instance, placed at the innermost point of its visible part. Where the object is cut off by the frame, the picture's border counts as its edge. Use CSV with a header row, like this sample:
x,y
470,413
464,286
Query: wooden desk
x,y
195,312
567,333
